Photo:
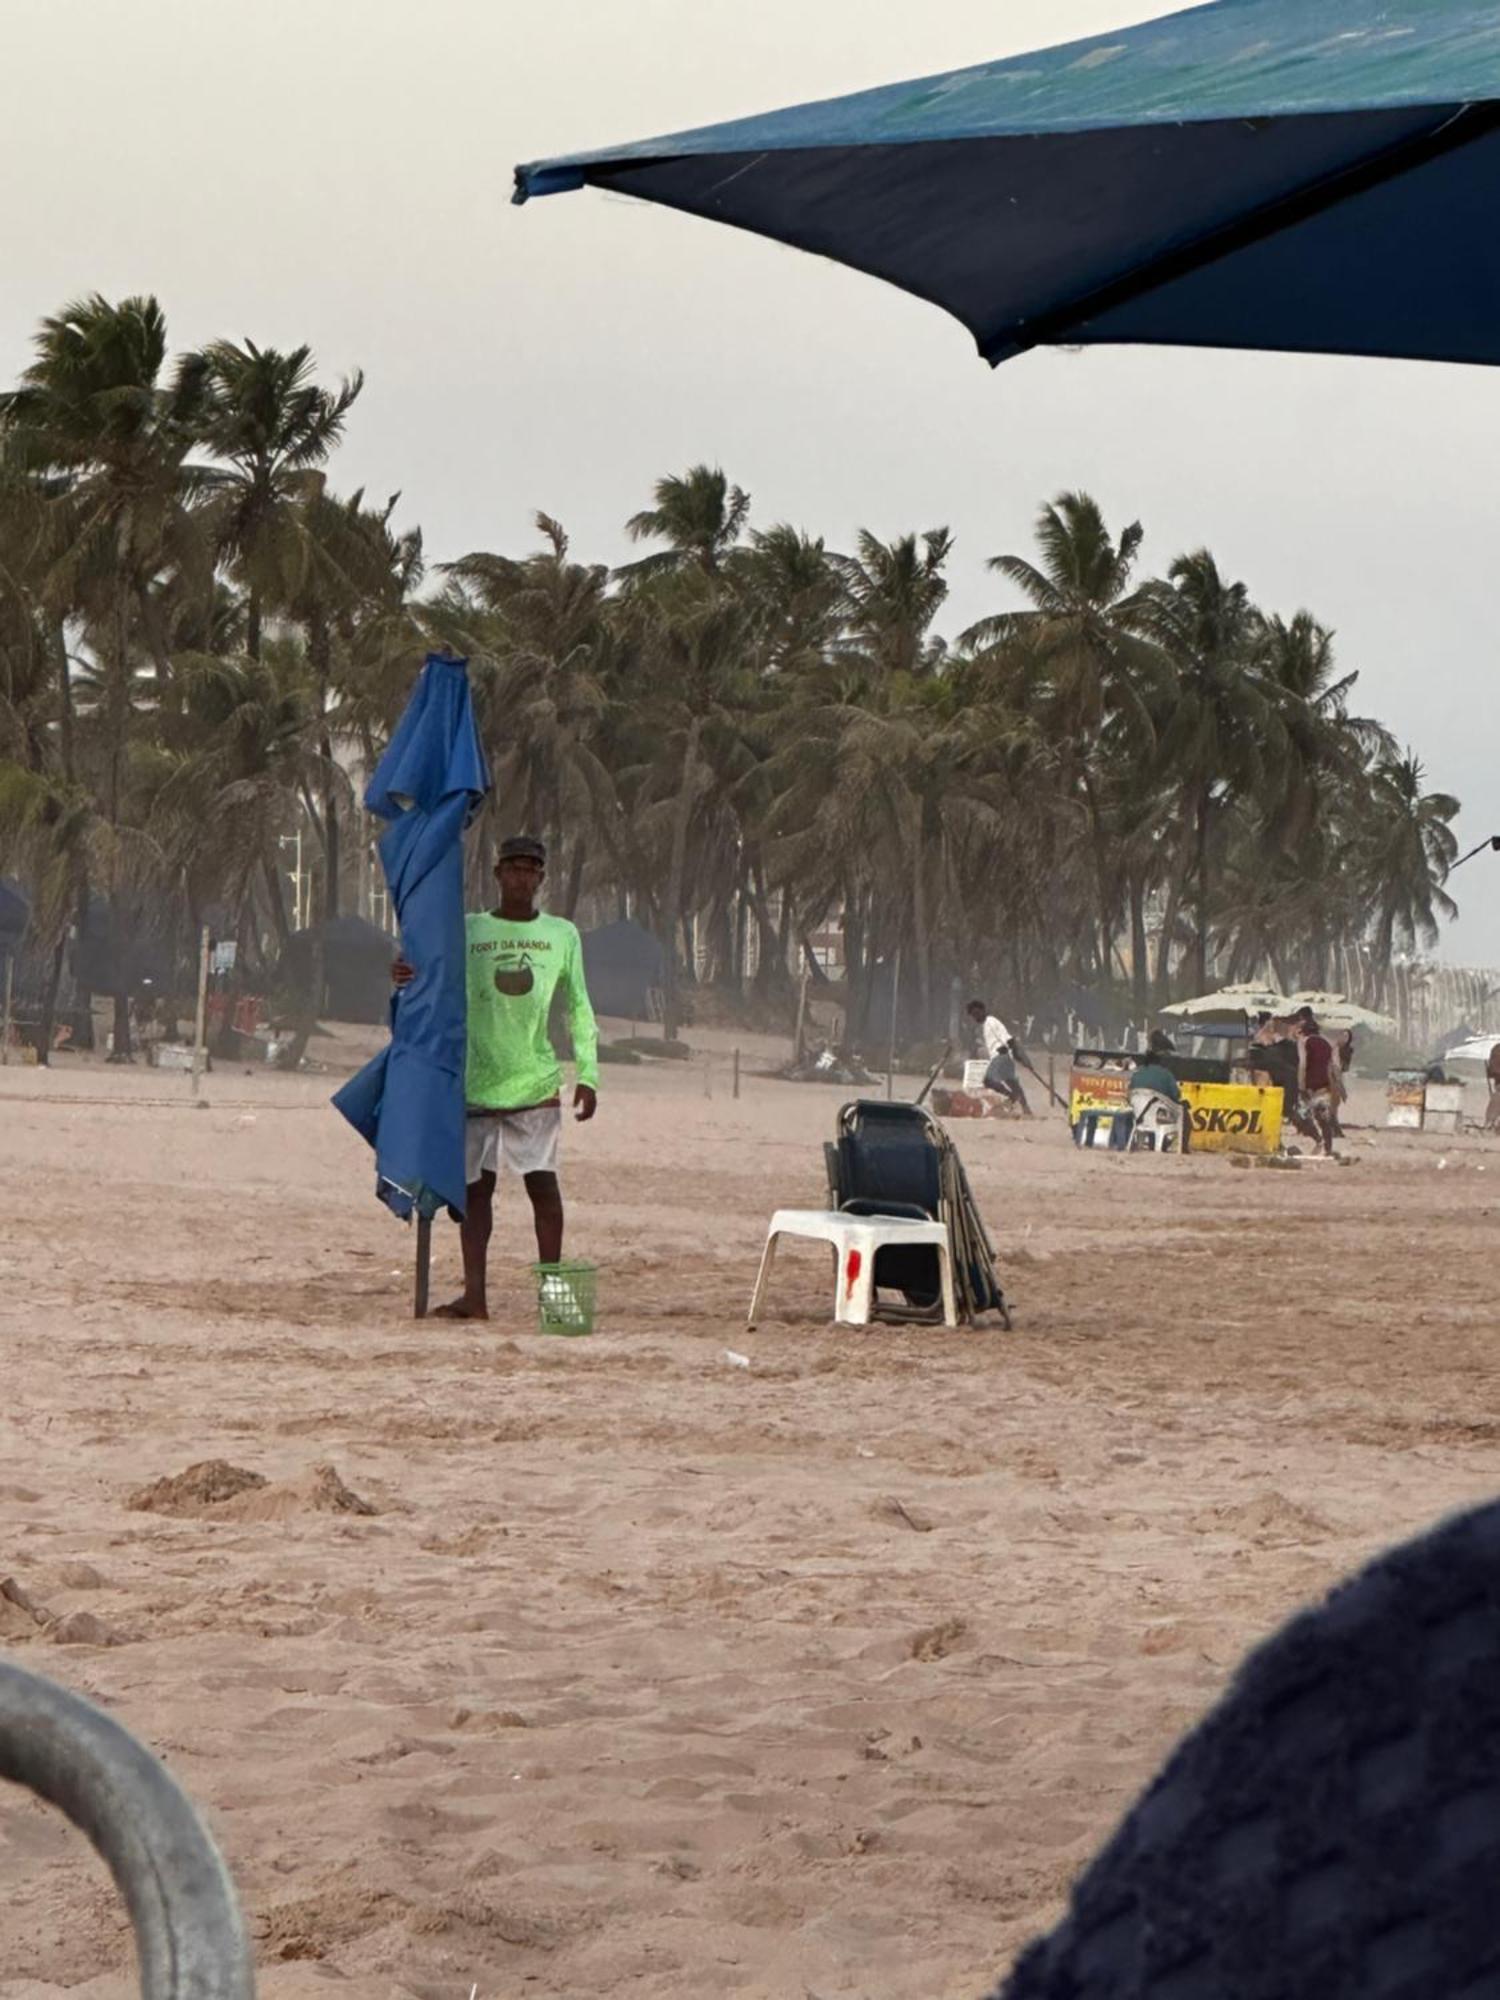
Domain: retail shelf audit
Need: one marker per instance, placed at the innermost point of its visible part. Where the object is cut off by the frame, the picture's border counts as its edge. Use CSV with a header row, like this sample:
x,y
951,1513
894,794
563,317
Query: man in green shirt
x,y
1151,1074
516,959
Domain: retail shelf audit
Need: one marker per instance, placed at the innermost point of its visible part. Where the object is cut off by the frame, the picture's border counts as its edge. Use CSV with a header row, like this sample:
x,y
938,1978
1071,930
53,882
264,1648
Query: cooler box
x,y
1234,1117
1443,1107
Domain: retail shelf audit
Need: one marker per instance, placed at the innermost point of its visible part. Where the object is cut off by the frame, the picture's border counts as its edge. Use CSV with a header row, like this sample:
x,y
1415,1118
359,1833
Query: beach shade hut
x,y
1250,174
409,1102
356,967
624,966
15,914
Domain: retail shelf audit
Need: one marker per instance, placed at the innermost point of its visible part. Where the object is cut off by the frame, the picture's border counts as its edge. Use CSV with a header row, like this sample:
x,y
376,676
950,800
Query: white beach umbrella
x,y
1230,1000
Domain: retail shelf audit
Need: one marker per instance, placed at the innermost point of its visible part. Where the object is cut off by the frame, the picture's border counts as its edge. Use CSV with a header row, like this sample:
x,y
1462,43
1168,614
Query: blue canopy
x,y
1305,175
409,1102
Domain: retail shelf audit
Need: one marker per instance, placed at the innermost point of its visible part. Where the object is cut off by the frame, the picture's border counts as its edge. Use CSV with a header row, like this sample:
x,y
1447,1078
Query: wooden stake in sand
x,y
10,976
199,1047
736,1073
801,1016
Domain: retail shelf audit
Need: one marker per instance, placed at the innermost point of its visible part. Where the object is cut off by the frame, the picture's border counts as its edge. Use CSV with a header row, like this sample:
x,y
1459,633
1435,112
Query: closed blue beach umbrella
x,y
409,1102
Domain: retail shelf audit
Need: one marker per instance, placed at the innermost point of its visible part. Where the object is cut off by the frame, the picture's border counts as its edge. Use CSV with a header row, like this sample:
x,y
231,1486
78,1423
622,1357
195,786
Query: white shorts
x,y
522,1142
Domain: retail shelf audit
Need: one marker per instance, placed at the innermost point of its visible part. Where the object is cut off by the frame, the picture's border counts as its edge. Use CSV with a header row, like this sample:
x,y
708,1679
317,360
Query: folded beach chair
x,y
1332,1831
897,1160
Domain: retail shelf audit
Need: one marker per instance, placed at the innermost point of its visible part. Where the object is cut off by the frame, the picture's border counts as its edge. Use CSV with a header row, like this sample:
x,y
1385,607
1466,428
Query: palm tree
x,y
684,730
796,592
1077,658
272,424
107,435
1406,848
1220,723
351,605
48,828
894,591
546,653
236,758
700,517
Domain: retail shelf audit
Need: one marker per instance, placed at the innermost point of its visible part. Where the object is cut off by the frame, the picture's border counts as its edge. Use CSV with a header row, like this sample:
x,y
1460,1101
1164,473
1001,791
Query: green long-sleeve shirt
x,y
512,972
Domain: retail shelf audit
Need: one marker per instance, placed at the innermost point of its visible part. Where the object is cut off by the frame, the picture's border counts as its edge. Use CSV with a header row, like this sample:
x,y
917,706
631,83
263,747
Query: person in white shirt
x,y
998,1045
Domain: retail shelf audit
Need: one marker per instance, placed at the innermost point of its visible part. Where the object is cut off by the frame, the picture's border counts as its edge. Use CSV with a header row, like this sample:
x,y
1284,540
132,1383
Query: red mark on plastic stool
x,y
851,1272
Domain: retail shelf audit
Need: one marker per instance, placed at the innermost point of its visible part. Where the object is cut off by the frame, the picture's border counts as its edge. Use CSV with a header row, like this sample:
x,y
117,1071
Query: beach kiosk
x,y
1226,1112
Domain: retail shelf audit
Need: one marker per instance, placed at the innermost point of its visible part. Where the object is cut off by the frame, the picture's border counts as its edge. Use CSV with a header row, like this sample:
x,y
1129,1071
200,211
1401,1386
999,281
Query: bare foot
x,y
462,1309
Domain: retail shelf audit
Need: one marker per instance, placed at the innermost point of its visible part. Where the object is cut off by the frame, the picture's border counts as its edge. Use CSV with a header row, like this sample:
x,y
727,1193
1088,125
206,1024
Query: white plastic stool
x,y
855,1239
1160,1124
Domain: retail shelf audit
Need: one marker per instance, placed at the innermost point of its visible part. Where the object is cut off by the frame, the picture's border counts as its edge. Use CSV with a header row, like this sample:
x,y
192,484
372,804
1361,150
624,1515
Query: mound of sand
x,y
207,1484
1270,1517
318,1491
215,1489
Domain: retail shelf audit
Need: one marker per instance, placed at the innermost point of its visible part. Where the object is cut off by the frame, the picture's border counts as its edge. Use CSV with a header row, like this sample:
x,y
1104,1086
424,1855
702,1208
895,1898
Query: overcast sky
x,y
338,172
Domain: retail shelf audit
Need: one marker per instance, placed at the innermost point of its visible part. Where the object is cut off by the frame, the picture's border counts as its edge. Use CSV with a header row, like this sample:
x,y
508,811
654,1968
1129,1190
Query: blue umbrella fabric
x,y
1302,175
409,1102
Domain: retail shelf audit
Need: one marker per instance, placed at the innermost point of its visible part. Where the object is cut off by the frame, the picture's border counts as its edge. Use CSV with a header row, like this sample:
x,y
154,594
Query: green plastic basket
x,y
565,1298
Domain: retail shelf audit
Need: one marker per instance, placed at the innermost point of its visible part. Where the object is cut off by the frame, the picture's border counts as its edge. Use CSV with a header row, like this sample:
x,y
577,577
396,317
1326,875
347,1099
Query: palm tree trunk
x,y
119,712
64,702
277,900
574,884
854,971
1168,931
768,973
49,1001
319,652
676,875
1200,877
1140,951
920,934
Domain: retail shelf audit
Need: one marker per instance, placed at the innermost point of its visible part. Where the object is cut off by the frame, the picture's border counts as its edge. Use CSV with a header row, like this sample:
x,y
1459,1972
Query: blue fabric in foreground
x,y
1255,173
409,1102
1232,59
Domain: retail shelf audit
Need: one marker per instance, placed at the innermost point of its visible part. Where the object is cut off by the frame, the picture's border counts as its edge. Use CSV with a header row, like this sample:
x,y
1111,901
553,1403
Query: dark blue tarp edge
x,y
1230,59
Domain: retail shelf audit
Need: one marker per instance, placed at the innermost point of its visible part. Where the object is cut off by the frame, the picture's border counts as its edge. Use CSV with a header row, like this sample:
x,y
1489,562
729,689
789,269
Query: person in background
x,y
1275,1059
998,1045
1151,1074
1161,1043
1320,1079
1492,1078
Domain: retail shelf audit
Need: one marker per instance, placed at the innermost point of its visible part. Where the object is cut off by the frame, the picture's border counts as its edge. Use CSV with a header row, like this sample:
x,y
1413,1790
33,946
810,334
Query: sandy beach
x,y
548,1667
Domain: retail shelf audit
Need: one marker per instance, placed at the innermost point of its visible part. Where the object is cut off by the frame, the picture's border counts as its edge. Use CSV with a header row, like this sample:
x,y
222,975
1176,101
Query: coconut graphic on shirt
x,y
514,980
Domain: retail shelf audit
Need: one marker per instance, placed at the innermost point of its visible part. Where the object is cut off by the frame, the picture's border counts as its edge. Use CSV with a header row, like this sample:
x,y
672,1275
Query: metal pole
x,y
890,1070
198,1032
10,974
424,1265
801,1015
937,1072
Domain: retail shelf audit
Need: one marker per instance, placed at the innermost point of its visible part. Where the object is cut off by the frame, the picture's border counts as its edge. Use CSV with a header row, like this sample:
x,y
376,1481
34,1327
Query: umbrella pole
x,y
424,1266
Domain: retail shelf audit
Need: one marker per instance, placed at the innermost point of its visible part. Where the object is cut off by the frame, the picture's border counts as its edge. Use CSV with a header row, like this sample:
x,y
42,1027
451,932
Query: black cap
x,y
524,847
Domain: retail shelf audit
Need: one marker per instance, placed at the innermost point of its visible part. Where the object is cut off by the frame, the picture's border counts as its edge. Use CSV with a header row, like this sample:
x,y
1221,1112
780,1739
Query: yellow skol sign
x,y
1233,1117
